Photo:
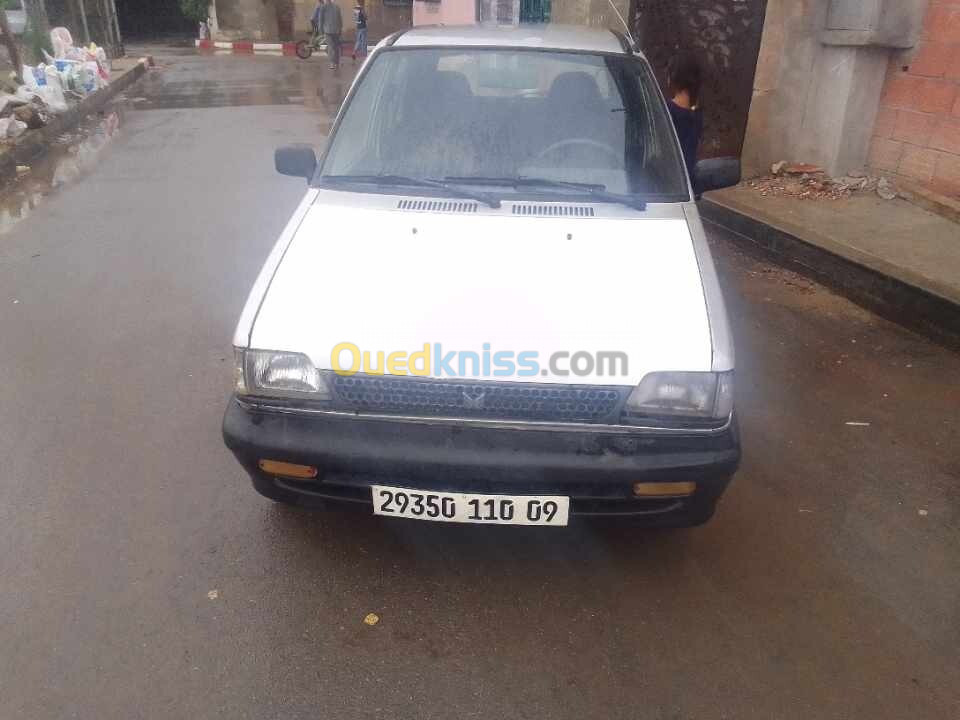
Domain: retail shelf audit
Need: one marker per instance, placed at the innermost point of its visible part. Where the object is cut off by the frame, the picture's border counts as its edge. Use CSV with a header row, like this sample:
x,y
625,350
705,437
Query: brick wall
x,y
917,131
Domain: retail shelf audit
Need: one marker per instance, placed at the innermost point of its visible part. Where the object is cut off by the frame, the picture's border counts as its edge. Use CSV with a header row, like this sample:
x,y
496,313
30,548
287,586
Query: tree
x,y
196,10
36,37
37,16
10,43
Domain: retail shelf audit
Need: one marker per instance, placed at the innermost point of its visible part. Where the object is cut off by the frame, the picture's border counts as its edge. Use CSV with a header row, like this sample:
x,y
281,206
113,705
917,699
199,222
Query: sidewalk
x,y
892,256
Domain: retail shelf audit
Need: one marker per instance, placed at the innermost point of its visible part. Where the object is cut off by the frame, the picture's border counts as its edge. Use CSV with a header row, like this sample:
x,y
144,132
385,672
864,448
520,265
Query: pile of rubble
x,y
809,182
51,87
19,113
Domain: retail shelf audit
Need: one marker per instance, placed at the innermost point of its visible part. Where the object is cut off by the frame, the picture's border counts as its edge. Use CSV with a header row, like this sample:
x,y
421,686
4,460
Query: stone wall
x,y
917,131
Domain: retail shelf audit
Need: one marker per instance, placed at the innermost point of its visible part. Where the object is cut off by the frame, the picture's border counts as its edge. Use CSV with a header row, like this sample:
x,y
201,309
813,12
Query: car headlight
x,y
278,374
683,394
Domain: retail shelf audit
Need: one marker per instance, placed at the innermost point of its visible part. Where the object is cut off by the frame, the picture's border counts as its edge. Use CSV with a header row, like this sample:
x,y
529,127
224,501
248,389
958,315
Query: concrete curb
x,y
34,143
892,292
245,47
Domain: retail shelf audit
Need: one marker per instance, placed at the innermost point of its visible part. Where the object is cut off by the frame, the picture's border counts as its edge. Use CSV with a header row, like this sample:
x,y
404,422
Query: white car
x,y
495,303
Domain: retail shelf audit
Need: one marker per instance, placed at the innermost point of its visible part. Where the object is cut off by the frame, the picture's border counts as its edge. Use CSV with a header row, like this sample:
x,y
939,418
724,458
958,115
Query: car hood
x,y
392,281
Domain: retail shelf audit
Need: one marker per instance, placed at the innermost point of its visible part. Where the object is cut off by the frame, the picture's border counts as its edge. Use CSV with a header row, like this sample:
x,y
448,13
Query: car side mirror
x,y
716,174
296,160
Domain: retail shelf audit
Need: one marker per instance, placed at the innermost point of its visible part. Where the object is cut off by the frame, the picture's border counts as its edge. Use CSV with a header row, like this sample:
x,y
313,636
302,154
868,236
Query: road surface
x,y
141,577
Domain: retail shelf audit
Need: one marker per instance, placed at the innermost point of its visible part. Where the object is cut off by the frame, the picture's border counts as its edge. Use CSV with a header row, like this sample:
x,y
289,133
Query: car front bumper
x,y
594,466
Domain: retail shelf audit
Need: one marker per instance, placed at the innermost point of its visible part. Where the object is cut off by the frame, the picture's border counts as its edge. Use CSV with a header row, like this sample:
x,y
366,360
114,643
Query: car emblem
x,y
473,399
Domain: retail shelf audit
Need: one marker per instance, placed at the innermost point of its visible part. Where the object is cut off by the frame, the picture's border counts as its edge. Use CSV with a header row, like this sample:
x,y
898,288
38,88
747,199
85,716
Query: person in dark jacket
x,y
331,25
684,105
315,19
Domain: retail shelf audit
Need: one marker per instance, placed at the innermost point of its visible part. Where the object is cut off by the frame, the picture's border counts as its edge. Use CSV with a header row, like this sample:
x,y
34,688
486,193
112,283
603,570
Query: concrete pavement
x,y
143,577
891,256
892,235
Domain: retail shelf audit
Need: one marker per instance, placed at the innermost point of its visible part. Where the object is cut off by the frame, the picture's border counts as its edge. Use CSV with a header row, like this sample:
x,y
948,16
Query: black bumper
x,y
596,470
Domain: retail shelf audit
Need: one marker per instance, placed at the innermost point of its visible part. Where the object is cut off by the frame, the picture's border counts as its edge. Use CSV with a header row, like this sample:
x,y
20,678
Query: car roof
x,y
540,36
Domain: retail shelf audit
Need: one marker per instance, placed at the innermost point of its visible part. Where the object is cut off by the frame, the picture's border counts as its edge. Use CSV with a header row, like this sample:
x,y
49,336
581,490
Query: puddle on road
x,y
72,156
306,83
244,80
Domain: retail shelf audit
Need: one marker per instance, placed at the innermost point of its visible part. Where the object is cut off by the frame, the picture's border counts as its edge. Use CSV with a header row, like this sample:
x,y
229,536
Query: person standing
x,y
315,20
684,88
360,19
331,24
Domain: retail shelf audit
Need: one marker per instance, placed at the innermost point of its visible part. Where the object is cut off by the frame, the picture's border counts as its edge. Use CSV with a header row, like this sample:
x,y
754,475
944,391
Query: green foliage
x,y
195,10
34,43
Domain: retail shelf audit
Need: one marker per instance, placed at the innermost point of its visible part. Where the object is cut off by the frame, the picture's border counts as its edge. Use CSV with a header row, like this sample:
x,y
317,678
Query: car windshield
x,y
511,117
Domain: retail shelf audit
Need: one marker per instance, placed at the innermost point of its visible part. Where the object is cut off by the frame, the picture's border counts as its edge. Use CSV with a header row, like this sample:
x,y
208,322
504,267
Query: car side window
x,y
660,150
367,101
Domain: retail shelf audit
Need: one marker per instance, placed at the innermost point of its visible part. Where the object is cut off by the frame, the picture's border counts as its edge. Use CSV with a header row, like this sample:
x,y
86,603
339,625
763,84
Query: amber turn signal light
x,y
291,470
664,489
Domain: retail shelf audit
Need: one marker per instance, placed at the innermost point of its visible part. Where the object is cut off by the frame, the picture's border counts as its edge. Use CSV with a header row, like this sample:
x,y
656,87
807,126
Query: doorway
x,y
146,19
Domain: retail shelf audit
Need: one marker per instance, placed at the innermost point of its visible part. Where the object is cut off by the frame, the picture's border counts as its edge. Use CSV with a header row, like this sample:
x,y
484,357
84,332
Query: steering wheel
x,y
585,142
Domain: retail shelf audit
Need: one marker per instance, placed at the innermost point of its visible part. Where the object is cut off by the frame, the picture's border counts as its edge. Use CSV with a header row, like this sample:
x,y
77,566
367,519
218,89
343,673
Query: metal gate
x,y
534,11
725,36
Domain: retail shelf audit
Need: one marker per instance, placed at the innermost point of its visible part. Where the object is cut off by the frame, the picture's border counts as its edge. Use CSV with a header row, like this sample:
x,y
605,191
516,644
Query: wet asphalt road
x,y
140,576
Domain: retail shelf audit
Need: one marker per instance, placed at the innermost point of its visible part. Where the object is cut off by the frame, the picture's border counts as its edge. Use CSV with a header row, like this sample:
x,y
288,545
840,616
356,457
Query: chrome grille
x,y
428,397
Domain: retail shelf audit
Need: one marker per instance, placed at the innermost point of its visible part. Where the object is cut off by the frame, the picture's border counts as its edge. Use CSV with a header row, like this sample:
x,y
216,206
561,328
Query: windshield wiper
x,y
400,180
594,190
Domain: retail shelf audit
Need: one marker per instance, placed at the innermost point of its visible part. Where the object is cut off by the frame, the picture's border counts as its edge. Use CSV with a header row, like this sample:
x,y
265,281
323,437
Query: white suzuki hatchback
x,y
495,303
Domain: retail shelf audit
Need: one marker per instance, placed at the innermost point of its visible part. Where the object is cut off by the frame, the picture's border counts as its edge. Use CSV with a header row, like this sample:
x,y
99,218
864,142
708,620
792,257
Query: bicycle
x,y
306,48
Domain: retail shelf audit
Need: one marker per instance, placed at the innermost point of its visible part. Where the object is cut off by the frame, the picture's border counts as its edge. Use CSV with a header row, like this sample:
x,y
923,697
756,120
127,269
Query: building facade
x,y
270,20
445,12
844,84
265,20
849,84
598,13
916,133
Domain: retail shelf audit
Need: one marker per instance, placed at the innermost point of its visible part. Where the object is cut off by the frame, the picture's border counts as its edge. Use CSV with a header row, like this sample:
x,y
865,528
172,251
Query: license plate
x,y
471,508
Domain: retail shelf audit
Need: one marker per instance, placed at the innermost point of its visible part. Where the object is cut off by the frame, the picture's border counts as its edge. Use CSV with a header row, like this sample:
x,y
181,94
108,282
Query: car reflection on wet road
x,y
142,577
